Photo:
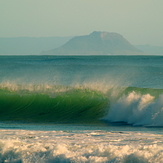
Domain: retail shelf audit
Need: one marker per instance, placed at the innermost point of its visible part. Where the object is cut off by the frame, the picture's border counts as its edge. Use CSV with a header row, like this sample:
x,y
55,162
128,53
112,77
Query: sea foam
x,y
137,109
79,146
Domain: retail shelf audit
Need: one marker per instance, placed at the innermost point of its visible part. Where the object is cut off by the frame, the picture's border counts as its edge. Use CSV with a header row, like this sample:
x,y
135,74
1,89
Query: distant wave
x,y
55,103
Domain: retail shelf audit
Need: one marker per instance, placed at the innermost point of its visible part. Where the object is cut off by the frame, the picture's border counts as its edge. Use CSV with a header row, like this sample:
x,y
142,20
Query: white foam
x,y
82,146
137,109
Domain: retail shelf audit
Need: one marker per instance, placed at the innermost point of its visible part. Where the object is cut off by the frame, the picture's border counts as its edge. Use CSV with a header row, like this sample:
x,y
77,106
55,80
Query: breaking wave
x,y
86,103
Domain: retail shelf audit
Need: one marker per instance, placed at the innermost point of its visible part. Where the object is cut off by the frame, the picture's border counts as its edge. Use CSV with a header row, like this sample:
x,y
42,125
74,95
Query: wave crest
x,y
137,109
87,102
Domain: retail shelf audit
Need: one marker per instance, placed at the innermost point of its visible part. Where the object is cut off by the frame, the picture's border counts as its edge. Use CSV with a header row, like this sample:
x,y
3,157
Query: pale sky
x,y
139,21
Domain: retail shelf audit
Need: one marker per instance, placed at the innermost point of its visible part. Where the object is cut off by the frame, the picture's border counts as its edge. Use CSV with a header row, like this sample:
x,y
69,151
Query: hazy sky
x,y
139,21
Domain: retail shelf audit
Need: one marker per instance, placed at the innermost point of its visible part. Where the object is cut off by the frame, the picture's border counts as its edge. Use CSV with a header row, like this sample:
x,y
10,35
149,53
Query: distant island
x,y
97,43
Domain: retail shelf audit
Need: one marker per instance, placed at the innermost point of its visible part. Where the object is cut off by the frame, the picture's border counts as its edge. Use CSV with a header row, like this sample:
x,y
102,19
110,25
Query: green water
x,y
75,106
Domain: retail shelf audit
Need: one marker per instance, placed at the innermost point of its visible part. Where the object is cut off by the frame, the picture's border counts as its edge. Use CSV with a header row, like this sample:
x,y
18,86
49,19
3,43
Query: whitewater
x,y
81,109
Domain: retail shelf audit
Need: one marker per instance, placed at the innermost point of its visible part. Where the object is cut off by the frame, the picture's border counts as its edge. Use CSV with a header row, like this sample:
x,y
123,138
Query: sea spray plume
x,y
45,88
107,85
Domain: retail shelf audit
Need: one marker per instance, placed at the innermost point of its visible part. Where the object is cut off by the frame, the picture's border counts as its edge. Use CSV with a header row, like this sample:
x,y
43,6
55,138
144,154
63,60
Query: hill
x,y
30,45
150,49
96,43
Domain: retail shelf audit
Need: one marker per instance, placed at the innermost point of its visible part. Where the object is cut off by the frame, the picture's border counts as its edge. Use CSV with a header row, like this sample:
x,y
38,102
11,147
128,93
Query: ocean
x,y
81,109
